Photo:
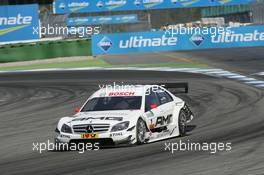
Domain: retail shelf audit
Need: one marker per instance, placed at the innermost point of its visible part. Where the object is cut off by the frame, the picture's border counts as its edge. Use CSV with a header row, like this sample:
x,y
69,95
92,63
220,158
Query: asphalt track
x,y
225,111
243,60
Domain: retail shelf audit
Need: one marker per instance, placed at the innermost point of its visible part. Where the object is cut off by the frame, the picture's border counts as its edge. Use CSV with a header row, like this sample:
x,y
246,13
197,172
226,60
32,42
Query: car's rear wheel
x,y
182,123
141,131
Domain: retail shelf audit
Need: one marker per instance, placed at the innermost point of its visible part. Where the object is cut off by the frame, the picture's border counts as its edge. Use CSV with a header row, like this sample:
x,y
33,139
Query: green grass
x,y
99,63
44,50
75,64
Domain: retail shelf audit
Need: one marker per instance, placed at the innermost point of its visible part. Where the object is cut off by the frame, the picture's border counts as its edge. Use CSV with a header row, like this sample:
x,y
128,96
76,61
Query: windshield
x,y
113,103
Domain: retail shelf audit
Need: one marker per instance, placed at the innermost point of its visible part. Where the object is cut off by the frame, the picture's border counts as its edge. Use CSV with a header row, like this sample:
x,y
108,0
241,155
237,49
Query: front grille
x,y
96,128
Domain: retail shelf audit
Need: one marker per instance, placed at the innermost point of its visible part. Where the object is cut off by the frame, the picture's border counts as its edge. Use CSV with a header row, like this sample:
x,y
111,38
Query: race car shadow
x,y
83,147
189,128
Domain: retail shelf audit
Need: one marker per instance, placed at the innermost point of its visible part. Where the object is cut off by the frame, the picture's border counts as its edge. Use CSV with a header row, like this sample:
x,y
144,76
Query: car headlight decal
x,y
120,126
57,130
130,129
66,129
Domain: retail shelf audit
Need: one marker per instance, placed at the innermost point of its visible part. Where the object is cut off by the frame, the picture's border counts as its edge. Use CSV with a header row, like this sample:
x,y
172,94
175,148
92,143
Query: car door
x,y
166,108
152,110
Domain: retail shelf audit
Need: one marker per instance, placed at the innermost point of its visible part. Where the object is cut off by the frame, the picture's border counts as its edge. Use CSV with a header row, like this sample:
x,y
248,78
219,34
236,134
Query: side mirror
x,y
77,109
153,106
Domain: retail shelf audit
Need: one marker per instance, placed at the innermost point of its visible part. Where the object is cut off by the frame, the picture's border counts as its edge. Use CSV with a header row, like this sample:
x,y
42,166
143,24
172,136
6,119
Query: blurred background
x,y
53,45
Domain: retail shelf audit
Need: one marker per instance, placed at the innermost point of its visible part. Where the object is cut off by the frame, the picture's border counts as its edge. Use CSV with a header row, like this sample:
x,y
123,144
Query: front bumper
x,y
106,138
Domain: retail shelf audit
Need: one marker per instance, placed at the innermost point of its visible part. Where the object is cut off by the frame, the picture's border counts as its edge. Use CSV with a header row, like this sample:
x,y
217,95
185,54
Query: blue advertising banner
x,y
123,43
84,6
97,20
17,22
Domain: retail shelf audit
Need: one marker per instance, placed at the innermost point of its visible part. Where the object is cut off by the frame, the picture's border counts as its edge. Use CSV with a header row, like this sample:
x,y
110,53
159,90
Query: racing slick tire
x,y
182,123
140,131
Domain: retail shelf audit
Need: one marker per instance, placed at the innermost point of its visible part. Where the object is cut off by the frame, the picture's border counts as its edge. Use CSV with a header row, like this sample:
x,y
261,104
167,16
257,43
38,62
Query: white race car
x,y
142,114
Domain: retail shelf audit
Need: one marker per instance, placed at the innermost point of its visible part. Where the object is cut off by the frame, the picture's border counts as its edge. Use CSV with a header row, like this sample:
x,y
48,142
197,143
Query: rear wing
x,y
174,86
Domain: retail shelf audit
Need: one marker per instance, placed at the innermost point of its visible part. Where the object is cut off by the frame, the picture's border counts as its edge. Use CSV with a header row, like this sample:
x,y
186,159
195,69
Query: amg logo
x,y
139,41
163,120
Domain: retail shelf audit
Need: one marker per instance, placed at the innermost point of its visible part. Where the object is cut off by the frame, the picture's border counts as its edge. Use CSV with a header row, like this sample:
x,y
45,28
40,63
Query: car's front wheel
x,y
182,123
141,131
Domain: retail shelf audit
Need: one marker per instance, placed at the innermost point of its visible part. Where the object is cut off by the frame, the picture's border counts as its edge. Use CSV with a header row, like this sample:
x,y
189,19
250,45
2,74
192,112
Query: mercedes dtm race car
x,y
142,114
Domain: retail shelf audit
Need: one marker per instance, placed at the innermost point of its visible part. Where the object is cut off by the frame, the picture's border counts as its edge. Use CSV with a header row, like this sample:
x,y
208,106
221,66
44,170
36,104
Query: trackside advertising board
x,y
17,22
123,43
97,20
84,6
